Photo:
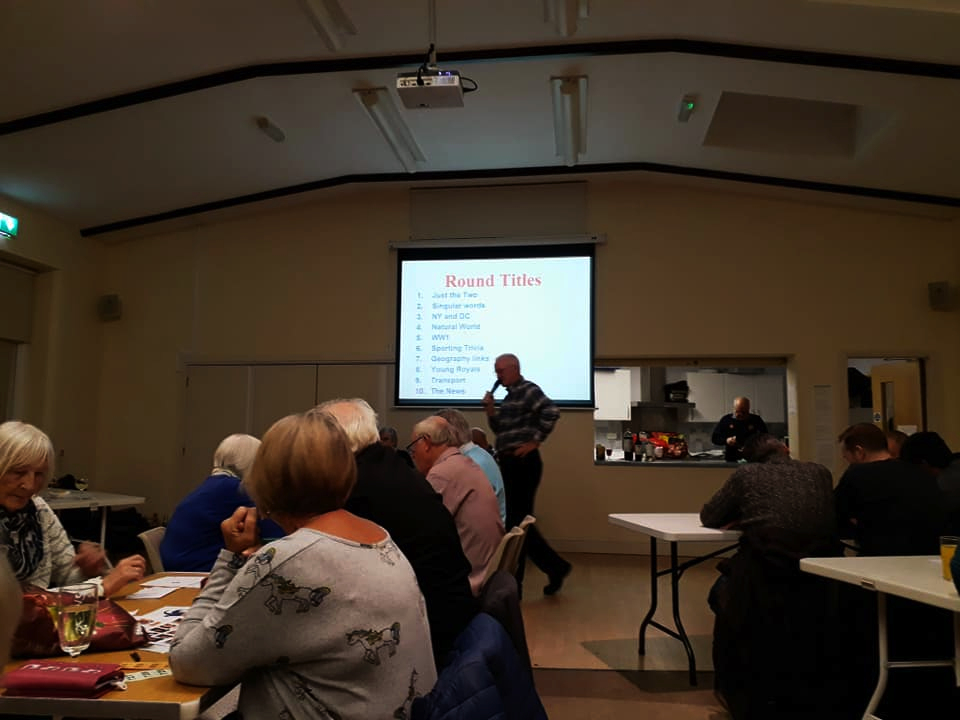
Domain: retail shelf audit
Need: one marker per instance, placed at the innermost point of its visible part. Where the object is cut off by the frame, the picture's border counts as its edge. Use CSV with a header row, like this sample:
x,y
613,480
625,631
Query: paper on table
x,y
151,592
161,626
177,581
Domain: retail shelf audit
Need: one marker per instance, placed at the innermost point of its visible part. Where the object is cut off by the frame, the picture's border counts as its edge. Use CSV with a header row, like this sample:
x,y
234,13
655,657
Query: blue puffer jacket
x,y
483,680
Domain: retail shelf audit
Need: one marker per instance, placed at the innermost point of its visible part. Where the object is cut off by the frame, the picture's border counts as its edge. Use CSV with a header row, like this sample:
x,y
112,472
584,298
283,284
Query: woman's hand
x,y
128,570
240,531
91,559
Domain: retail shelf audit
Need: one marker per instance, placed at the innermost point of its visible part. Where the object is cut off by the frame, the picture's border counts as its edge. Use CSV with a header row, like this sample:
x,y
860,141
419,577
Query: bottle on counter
x,y
628,444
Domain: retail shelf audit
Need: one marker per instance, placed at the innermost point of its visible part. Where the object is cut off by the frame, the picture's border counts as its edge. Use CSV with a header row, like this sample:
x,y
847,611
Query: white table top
x,y
917,578
674,527
69,499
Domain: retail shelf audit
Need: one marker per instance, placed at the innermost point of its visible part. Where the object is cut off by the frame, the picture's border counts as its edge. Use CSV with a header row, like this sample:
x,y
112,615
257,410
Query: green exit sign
x,y
8,225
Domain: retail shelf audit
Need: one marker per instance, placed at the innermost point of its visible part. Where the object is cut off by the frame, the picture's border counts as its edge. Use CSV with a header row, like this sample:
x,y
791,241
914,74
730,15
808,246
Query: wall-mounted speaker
x,y
109,307
942,295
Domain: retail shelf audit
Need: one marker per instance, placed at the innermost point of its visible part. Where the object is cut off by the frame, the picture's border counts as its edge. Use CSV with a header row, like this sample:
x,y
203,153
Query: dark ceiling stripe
x,y
461,57
504,173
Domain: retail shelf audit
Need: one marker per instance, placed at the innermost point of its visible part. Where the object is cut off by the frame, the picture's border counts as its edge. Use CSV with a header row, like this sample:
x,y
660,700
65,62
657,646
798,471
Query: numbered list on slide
x,y
460,327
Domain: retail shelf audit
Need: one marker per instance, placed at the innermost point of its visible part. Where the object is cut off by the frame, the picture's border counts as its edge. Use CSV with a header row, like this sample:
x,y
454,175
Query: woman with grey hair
x,y
193,539
38,549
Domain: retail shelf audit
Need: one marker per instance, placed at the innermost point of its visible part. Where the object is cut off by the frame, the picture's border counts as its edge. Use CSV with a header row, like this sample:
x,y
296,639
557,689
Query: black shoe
x,y
556,581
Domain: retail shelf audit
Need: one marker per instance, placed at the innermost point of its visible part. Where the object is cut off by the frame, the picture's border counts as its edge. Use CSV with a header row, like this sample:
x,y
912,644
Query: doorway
x,y
889,392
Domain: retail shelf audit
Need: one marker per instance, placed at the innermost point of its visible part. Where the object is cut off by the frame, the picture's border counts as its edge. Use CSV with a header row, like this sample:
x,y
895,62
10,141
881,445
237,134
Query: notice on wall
x,y
824,436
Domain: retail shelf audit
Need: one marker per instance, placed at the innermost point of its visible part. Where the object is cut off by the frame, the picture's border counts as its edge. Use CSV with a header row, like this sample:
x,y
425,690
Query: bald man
x,y
734,429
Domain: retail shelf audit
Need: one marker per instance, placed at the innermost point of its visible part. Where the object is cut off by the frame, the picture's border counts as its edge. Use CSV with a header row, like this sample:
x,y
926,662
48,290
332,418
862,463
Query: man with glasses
x,y
465,490
398,498
524,420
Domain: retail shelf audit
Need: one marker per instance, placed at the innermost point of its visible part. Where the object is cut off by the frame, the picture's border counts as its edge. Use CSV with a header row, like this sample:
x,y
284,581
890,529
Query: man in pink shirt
x,y
465,490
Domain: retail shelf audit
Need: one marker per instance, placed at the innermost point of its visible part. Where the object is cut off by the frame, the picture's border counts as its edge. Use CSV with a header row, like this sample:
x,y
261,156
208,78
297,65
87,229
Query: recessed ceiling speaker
x,y
109,307
942,296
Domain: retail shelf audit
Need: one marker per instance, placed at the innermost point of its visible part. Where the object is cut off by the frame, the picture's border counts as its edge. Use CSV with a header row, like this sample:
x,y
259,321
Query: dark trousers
x,y
521,478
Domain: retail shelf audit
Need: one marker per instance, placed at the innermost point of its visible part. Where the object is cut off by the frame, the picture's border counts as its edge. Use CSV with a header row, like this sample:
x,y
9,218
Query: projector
x,y
430,89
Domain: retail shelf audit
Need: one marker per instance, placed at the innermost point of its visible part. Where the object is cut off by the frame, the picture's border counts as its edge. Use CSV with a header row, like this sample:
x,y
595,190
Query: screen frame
x,y
487,252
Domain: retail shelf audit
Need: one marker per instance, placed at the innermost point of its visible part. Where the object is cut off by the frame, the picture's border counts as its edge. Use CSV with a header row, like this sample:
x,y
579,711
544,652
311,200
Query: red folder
x,y
51,678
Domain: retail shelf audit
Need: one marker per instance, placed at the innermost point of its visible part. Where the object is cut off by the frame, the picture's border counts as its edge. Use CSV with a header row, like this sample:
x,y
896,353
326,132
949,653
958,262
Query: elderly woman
x,y
38,548
192,539
327,622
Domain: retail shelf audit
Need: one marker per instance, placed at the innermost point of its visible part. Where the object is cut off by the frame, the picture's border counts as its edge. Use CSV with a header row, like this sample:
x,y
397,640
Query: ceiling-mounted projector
x,y
430,88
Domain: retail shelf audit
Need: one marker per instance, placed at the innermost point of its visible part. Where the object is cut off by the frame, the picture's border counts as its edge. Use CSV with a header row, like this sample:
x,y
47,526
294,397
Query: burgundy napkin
x,y
51,678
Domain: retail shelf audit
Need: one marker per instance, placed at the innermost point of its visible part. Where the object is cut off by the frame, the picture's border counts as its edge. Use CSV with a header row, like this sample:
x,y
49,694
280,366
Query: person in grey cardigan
x,y
327,622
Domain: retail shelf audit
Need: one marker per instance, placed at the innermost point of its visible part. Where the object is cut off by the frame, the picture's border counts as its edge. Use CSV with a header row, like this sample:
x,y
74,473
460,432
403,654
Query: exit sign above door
x,y
8,225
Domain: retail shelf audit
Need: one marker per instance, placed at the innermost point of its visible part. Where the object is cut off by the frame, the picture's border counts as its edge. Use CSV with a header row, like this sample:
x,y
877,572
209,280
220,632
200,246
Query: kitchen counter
x,y
669,463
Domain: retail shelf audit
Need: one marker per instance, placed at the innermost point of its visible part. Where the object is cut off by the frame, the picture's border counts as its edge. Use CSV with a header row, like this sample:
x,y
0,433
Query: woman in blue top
x,y
193,538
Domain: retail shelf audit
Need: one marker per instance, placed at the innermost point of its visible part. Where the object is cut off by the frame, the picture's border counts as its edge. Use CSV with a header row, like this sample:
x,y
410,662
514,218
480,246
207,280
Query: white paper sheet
x,y
177,581
148,593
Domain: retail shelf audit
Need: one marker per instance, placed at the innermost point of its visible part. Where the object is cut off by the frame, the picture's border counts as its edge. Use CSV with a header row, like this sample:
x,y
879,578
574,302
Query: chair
x,y
151,543
502,553
500,600
507,555
511,557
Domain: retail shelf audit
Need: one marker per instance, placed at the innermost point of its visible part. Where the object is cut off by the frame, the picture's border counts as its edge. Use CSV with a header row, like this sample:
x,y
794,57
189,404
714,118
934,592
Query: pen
x,y
136,656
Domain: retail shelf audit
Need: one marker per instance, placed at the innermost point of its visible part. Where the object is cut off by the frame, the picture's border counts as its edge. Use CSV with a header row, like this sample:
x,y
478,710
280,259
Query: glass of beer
x,y
948,548
76,616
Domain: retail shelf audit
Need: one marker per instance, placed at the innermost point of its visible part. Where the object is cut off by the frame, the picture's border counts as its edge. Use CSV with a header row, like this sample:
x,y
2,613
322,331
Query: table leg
x,y
103,527
956,647
654,574
681,633
884,658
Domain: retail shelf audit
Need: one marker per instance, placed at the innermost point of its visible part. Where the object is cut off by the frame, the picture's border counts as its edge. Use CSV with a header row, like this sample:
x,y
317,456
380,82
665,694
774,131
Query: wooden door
x,y
898,402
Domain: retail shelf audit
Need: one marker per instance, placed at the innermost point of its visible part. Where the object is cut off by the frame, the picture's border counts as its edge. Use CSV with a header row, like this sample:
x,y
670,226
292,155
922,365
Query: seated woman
x,y
326,622
192,539
38,548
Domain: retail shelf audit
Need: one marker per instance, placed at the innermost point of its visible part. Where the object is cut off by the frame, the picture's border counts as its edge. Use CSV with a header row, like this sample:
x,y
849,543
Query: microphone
x,y
495,386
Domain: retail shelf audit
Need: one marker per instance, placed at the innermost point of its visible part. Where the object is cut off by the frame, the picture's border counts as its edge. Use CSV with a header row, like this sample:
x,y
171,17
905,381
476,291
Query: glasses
x,y
413,443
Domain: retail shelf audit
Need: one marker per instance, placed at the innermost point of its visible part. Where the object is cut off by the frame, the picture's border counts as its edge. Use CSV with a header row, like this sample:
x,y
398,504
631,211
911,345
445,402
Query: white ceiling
x,y
190,149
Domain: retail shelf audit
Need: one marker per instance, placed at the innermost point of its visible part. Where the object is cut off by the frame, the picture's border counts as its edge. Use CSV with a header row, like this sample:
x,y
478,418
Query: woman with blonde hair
x,y
327,622
38,549
192,539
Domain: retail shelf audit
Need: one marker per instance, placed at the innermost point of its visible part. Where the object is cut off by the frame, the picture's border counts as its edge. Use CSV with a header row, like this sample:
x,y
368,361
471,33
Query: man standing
x,y
524,420
734,429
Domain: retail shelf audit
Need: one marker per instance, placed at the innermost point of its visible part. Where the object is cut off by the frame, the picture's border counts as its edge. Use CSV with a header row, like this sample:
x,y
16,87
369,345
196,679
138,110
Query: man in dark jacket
x,y
736,428
399,499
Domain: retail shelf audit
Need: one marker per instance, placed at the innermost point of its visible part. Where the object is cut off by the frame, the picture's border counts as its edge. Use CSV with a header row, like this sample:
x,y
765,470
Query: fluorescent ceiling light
x,y
570,116
385,116
329,20
563,14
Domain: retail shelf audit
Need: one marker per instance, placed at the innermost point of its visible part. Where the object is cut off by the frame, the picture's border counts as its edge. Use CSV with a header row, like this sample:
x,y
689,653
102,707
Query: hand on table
x,y
128,570
91,559
240,531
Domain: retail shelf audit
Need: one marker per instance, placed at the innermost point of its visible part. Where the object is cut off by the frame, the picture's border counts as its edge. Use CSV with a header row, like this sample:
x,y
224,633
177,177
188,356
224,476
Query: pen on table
x,y
136,656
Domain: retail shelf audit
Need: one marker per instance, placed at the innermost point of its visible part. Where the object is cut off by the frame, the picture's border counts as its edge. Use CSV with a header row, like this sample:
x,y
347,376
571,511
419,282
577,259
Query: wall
x,y
61,378
714,274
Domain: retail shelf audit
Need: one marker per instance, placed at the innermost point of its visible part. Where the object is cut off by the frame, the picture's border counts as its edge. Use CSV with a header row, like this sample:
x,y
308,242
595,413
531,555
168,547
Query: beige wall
x,y
61,380
683,273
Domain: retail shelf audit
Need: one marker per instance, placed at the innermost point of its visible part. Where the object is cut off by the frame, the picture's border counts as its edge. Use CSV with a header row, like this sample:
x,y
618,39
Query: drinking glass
x,y
948,547
76,616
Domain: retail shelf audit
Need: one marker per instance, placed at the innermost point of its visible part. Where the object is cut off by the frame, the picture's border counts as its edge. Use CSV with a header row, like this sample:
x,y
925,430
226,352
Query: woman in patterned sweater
x,y
327,622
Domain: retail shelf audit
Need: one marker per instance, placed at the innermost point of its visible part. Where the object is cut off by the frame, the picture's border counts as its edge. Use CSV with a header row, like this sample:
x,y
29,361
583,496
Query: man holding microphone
x,y
523,421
